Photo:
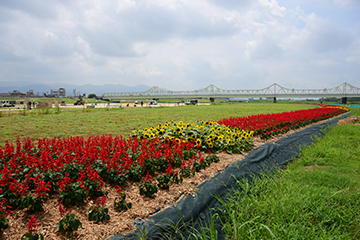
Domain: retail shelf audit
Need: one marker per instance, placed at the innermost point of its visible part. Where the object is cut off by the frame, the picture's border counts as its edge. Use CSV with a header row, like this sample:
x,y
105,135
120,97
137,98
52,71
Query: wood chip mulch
x,y
350,120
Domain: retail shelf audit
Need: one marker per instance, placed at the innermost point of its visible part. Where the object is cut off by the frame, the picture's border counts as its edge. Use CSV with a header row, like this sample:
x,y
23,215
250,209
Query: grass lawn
x,y
49,123
316,197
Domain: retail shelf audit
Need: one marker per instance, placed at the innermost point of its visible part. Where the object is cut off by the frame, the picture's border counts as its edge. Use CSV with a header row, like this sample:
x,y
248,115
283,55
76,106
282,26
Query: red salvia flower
x,y
148,177
61,210
169,169
102,200
32,225
118,190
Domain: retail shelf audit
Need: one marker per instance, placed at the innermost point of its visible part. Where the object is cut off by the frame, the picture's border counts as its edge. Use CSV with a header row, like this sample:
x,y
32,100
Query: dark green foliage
x,y
32,236
186,172
164,181
99,214
73,194
69,224
121,204
32,203
148,189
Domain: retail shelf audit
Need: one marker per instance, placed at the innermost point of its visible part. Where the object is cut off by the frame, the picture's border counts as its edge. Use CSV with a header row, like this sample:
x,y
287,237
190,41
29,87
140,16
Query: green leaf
x,y
75,224
69,234
61,227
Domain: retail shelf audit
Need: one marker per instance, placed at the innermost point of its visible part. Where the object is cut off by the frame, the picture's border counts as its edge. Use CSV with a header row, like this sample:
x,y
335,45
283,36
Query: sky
x,y
181,44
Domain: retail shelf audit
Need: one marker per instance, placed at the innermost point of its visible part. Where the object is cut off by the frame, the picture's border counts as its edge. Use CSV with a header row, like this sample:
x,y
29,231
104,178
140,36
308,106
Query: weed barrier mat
x,y
193,213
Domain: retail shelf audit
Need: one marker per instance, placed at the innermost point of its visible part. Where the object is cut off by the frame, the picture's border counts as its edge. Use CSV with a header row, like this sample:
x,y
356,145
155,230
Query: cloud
x,y
179,44
323,62
36,8
263,49
350,4
232,4
274,8
323,35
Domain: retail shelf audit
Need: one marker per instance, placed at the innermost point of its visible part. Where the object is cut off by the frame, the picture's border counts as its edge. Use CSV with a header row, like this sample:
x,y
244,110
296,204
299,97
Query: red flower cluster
x,y
78,168
267,125
32,225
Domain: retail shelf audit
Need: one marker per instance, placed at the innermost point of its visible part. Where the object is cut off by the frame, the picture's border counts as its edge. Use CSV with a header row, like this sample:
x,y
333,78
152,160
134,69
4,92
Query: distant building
x,y
61,92
17,93
5,95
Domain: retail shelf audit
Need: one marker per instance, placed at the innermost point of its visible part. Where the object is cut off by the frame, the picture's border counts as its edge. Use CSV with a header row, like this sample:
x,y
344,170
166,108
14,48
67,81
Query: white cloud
x,y
274,8
323,62
177,44
324,35
350,4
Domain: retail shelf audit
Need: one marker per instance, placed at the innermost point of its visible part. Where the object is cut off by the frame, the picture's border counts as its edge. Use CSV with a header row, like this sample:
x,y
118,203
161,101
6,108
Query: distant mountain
x,y
86,89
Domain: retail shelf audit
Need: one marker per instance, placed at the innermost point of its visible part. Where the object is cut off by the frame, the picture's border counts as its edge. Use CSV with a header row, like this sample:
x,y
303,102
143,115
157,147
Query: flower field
x,y
76,169
268,125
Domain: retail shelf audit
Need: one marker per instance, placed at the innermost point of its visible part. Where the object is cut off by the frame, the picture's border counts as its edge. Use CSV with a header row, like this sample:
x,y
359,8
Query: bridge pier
x,y
344,100
274,99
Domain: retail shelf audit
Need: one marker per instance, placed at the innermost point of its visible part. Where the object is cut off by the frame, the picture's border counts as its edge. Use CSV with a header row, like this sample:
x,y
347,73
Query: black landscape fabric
x,y
193,212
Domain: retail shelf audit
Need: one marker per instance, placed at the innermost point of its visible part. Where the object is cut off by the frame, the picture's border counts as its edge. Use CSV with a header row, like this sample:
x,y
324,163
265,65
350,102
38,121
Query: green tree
x,y
92,95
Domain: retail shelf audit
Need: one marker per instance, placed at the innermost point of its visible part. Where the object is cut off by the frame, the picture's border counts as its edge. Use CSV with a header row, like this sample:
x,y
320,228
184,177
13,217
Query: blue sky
x,y
181,44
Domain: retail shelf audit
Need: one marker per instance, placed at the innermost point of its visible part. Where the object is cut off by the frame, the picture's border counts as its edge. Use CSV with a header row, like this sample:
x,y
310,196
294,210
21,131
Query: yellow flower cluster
x,y
206,134
335,106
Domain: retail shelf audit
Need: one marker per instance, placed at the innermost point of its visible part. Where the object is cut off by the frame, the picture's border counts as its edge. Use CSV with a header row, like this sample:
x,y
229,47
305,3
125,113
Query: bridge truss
x,y
211,91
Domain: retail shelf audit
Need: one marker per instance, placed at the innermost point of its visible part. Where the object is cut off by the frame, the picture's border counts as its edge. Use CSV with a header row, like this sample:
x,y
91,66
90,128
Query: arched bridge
x,y
275,90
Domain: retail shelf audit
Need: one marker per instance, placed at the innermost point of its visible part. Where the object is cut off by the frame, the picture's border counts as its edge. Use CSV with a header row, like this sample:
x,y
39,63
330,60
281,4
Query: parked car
x,y
191,102
7,103
152,102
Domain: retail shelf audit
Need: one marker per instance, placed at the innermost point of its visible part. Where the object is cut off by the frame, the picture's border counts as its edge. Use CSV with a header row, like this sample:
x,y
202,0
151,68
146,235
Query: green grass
x,y
316,197
49,123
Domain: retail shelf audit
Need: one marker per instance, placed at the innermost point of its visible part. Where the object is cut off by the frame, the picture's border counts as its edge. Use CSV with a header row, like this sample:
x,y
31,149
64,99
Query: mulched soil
x,y
350,120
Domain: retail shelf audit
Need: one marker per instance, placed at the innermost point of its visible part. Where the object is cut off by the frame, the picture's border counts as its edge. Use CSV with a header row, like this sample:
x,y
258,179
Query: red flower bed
x,y
78,168
267,125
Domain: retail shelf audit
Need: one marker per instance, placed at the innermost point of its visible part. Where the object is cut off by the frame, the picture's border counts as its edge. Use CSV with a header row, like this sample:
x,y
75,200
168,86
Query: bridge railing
x,y
275,90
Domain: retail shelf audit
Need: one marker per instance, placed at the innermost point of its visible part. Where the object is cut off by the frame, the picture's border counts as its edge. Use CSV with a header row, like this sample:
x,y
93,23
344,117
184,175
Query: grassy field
x,y
317,197
49,123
